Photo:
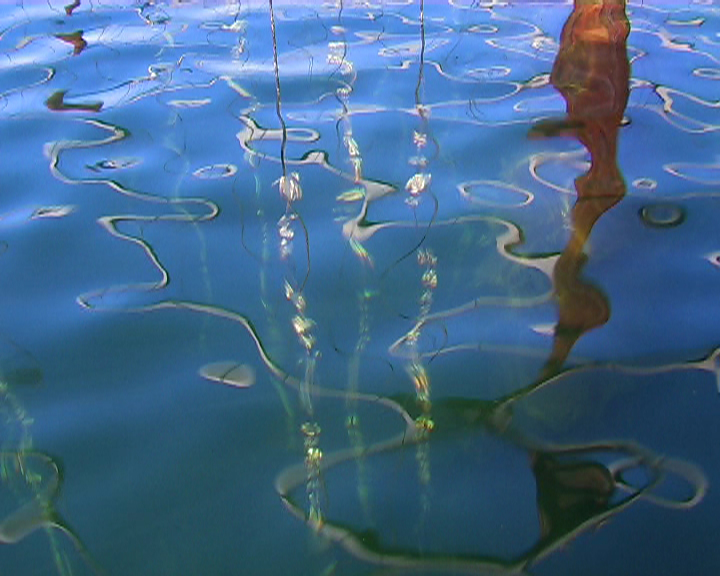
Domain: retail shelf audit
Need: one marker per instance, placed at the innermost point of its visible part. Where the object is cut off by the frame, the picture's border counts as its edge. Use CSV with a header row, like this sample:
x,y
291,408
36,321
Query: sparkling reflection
x,y
454,263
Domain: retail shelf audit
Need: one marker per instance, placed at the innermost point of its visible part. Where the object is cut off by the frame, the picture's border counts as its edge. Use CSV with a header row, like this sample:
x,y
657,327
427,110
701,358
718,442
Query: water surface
x,y
384,287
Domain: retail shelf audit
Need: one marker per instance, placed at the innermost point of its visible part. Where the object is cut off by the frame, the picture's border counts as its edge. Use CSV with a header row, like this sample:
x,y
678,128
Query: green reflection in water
x,y
30,480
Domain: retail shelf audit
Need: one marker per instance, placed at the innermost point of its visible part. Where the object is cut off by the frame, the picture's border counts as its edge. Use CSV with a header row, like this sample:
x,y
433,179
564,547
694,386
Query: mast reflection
x,y
591,72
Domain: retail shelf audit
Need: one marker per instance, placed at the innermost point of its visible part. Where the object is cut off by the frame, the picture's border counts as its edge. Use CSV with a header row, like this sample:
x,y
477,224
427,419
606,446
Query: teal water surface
x,y
359,287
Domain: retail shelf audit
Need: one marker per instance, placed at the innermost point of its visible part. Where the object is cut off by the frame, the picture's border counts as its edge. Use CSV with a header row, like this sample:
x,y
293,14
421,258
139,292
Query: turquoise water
x,y
359,288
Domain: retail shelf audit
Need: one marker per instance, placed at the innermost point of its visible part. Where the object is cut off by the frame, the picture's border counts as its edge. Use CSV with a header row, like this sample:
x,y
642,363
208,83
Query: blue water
x,y
388,287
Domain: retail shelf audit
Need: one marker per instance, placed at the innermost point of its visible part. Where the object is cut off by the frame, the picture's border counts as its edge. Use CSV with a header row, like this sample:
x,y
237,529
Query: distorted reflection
x,y
591,72
30,480
71,7
302,324
211,165
75,39
578,486
56,102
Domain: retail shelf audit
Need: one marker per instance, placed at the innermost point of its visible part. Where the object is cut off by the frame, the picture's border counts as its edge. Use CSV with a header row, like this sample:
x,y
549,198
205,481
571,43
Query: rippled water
x,y
359,287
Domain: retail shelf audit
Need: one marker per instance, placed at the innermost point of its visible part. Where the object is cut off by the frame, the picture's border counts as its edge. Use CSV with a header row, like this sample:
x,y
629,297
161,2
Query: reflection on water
x,y
454,261
591,72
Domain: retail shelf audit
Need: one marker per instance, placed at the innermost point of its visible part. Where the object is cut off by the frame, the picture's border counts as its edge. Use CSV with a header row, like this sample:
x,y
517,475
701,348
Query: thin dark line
x,y
422,52
278,108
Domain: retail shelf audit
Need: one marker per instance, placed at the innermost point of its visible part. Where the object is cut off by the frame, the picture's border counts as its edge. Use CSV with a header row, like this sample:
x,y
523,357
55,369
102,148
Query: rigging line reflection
x,y
338,54
419,184
584,489
289,184
303,325
587,484
485,414
356,230
554,474
278,100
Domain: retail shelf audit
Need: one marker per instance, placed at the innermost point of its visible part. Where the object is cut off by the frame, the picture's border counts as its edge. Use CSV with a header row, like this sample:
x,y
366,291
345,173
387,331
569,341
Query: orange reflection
x,y
70,7
76,39
591,71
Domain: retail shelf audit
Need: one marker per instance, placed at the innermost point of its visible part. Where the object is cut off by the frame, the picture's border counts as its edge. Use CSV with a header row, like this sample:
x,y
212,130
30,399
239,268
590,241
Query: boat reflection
x,y
575,486
578,486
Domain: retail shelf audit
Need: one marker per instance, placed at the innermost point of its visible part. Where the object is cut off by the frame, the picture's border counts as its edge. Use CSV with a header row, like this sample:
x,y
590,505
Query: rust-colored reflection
x,y
70,7
75,39
591,71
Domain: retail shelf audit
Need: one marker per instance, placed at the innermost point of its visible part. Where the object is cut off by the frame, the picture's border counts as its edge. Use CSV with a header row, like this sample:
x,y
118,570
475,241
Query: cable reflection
x,y
576,489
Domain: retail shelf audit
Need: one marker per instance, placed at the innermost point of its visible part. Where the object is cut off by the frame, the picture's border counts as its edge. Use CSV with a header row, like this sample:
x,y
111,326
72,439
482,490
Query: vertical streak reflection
x,y
416,186
278,100
303,325
338,56
420,81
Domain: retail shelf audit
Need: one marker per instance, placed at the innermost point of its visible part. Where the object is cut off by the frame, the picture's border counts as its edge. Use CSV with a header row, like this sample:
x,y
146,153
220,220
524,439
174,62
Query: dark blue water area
x,y
359,288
